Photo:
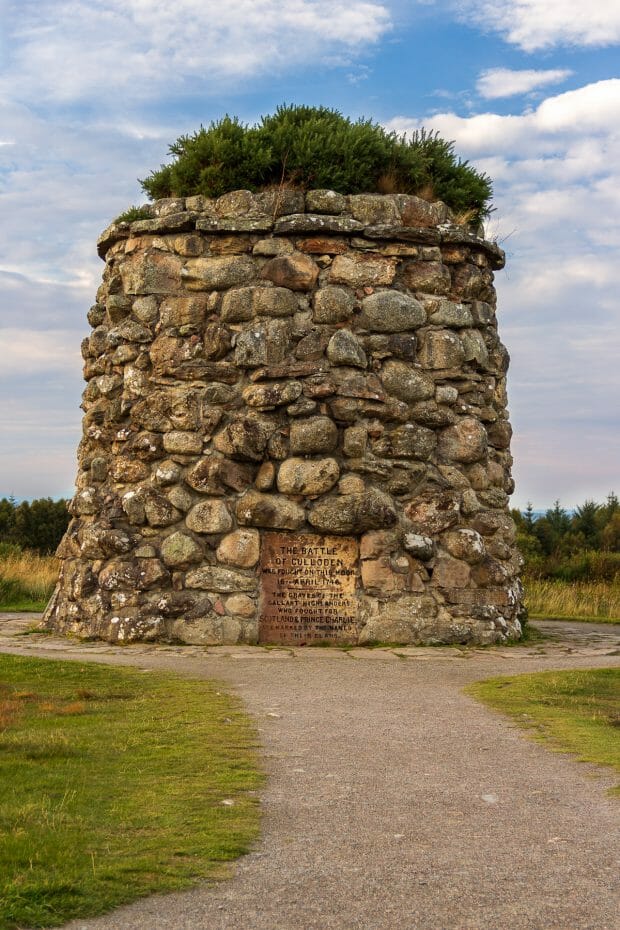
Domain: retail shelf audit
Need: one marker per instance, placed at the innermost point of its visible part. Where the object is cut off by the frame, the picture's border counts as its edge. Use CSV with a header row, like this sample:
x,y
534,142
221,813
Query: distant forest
x,y
38,525
581,545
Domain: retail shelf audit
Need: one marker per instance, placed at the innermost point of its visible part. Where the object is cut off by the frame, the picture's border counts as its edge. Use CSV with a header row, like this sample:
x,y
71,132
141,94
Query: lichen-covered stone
x,y
405,382
429,277
314,435
344,349
333,305
465,441
441,348
296,271
265,396
362,269
245,438
391,312
240,548
272,511
353,513
222,580
310,478
180,550
215,274
209,516
406,441
434,512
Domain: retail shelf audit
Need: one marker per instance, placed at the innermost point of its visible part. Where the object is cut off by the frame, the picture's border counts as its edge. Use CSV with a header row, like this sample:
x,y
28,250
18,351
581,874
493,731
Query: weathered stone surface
x,y
500,434
209,516
450,573
296,271
310,478
369,209
440,349
379,578
215,475
355,441
240,548
240,605
264,396
151,273
406,441
474,348
268,510
429,277
406,383
322,245
344,349
314,435
245,438
325,201
464,544
183,443
215,274
391,312
421,547
360,269
433,512
353,513
180,550
408,620
159,511
271,247
263,344
223,580
417,212
311,223
183,311
333,305
243,304
465,441
447,313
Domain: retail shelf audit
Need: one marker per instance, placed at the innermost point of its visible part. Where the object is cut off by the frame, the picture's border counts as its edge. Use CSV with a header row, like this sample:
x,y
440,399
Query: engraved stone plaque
x,y
308,589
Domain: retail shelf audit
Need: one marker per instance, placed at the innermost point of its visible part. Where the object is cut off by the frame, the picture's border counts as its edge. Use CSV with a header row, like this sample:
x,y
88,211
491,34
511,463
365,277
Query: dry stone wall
x,y
295,429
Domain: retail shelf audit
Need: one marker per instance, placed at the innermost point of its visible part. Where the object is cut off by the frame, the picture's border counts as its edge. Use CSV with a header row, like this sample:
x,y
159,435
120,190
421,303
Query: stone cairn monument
x,y
295,429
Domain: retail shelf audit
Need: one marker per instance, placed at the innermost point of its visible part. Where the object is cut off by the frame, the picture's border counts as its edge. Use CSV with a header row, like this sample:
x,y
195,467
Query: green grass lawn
x,y
116,783
574,711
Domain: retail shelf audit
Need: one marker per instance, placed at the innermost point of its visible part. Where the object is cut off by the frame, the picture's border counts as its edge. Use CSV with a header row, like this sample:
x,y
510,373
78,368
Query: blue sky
x,y
92,92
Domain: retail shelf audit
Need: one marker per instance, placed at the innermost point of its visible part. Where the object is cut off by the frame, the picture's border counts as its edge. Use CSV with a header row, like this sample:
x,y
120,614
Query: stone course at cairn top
x,y
295,429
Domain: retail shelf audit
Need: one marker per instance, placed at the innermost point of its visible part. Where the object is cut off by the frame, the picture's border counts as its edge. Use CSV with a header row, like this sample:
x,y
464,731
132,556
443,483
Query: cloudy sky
x,y
92,92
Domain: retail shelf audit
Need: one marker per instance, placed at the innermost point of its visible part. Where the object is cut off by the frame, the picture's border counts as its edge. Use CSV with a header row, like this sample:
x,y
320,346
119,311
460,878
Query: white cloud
x,y
26,351
66,51
539,24
503,82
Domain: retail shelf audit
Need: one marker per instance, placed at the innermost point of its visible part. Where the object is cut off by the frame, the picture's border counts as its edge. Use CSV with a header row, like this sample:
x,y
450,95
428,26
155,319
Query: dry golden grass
x,y
587,600
27,579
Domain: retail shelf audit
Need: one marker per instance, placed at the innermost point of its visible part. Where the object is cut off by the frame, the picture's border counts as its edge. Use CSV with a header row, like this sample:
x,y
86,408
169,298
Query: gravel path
x,y
393,800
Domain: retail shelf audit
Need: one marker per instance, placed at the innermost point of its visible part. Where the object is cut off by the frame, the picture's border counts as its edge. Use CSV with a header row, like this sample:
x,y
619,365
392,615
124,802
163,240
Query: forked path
x,y
394,801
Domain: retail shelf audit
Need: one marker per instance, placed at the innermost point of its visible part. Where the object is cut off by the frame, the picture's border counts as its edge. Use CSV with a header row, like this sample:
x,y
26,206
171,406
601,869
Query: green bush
x,y
316,147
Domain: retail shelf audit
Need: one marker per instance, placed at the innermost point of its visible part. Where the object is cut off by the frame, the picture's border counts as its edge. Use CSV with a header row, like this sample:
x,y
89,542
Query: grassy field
x,y
26,580
594,601
116,784
574,711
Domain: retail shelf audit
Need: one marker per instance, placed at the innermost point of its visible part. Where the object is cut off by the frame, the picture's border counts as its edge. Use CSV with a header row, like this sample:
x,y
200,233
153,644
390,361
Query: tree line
x,y
582,544
38,525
